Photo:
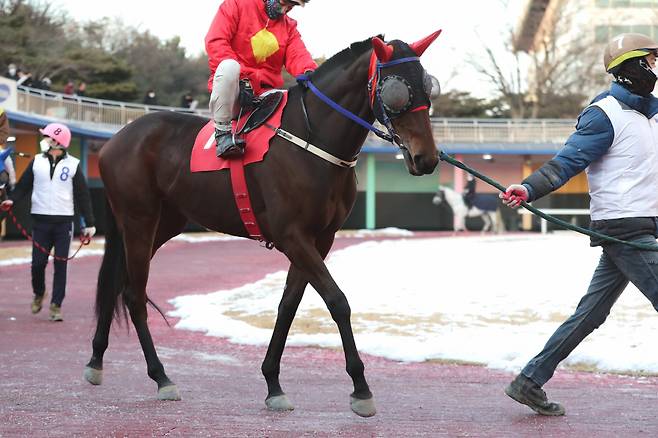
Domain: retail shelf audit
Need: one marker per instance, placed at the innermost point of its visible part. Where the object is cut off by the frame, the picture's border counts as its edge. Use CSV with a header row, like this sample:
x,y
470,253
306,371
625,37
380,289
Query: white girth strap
x,y
313,149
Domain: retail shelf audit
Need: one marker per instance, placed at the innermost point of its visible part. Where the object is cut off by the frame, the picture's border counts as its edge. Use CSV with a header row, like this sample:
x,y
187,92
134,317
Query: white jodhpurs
x,y
224,104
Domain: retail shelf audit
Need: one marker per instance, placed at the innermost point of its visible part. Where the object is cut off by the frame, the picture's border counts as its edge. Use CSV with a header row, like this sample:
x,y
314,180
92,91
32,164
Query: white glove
x,y
89,232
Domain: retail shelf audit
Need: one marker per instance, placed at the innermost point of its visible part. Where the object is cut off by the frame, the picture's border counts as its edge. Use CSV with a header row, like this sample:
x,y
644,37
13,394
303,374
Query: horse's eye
x,y
395,93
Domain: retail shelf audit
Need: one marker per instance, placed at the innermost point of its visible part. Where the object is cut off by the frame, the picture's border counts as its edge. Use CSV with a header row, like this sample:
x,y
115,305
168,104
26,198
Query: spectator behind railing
x,y
69,88
24,78
12,72
150,98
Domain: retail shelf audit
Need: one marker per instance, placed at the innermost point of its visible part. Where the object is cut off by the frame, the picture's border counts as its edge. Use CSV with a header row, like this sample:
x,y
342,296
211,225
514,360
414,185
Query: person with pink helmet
x,y
57,185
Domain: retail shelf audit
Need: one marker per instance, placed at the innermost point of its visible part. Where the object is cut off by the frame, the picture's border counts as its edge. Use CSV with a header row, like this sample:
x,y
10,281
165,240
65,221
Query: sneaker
x,y
55,313
228,145
37,302
527,392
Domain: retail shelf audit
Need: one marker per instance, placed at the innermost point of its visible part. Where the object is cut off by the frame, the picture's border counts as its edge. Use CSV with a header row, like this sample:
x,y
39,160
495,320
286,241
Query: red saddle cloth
x,y
258,142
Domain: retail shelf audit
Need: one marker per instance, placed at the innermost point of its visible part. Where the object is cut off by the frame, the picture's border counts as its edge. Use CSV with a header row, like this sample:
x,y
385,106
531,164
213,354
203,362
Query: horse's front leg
x,y
487,222
292,294
309,261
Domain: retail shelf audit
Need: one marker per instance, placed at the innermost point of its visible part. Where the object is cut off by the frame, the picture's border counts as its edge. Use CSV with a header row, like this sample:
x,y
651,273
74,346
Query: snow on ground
x,y
490,300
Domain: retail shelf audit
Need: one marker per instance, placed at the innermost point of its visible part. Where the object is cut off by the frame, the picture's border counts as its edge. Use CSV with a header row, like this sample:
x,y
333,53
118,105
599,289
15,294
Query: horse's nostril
x,y
425,163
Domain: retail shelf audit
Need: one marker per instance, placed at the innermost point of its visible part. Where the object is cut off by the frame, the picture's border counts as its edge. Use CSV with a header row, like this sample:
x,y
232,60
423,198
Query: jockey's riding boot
x,y
229,145
525,391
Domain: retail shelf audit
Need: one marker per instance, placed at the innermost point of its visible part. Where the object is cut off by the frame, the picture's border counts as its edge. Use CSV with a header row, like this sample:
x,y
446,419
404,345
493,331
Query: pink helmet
x,y
58,132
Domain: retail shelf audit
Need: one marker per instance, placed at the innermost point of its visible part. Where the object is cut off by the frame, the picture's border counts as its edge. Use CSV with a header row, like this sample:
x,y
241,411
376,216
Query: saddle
x,y
257,134
266,105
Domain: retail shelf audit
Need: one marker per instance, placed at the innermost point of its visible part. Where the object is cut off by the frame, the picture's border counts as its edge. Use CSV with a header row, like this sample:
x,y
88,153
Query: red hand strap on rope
x,y
84,240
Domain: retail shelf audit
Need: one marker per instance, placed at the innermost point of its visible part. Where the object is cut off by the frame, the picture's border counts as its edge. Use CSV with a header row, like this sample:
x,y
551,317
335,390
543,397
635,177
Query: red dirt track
x,y
42,392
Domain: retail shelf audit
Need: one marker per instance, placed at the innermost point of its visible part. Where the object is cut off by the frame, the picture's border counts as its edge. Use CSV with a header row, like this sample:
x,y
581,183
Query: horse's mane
x,y
345,57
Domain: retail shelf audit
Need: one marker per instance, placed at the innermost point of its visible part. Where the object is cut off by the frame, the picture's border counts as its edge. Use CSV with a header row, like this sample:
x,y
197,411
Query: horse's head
x,y
439,197
401,94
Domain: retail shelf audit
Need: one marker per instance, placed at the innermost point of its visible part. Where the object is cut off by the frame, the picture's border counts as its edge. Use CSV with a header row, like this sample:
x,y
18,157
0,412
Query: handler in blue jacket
x,y
616,143
56,182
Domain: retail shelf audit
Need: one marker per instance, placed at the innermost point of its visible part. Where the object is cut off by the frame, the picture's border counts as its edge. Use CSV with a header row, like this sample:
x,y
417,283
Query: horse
x,y
484,206
299,199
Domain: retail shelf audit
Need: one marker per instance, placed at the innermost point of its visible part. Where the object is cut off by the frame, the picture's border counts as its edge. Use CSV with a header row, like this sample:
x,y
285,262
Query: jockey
x,y
615,143
250,41
469,193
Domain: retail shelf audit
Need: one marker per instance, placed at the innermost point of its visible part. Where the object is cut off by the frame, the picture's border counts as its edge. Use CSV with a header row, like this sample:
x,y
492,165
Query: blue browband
x,y
389,136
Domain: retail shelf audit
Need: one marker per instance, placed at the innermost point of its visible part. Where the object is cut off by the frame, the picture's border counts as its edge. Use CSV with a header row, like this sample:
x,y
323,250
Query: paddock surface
x,y
42,392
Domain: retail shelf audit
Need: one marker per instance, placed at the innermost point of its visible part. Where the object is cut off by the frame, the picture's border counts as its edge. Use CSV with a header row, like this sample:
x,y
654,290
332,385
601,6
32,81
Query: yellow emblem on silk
x,y
264,44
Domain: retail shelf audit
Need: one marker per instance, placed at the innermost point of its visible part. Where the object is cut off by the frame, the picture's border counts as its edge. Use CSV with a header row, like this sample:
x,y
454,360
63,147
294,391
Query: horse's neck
x,y
334,132
453,197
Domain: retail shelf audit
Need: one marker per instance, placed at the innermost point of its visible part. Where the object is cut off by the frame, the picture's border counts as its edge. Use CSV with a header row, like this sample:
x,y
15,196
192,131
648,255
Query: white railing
x,y
114,114
87,110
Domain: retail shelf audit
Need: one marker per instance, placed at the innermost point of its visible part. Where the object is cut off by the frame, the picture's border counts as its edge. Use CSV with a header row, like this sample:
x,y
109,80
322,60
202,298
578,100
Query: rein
x,y
306,82
645,247
83,240
375,101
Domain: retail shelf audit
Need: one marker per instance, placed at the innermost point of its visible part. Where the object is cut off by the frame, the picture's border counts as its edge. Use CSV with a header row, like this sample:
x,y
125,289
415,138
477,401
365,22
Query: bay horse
x,y
299,199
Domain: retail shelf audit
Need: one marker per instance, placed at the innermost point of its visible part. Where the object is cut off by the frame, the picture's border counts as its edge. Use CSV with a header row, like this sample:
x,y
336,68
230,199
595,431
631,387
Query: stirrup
x,y
228,144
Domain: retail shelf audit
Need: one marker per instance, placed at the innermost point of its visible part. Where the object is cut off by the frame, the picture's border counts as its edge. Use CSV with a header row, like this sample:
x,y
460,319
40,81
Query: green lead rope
x,y
448,159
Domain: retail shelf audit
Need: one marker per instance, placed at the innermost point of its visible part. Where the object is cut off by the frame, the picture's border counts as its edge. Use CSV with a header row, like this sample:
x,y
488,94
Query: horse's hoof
x,y
363,408
168,393
93,376
279,403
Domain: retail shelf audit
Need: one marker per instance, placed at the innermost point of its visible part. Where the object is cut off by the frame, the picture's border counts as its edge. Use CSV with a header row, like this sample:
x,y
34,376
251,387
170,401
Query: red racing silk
x,y
242,31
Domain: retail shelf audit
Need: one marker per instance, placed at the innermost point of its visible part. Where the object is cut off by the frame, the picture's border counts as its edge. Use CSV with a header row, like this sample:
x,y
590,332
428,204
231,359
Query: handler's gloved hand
x,y
89,232
6,205
514,195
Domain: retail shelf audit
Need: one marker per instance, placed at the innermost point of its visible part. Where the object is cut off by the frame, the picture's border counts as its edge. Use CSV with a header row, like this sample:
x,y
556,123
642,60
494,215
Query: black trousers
x,y
49,235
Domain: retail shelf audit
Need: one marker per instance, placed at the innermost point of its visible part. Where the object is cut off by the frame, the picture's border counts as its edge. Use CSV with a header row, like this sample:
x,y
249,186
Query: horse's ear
x,y
420,46
383,51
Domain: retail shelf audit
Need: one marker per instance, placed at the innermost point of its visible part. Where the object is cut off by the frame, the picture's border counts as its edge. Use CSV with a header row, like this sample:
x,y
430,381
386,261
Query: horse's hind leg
x,y
139,240
292,295
305,256
113,279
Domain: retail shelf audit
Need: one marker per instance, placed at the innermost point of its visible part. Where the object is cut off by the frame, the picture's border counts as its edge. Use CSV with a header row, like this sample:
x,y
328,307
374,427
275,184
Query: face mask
x,y
12,71
44,145
636,76
274,9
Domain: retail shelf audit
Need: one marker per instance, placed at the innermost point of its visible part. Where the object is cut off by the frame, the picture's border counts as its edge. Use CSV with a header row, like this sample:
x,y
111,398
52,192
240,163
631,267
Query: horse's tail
x,y
113,275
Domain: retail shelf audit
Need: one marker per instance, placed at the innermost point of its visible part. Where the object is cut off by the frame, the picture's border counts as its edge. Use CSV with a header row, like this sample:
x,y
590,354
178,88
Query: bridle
x,y
383,112
387,95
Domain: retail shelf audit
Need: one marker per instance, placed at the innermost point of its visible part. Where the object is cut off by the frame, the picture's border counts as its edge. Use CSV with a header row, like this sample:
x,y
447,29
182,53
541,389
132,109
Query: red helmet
x,y
58,132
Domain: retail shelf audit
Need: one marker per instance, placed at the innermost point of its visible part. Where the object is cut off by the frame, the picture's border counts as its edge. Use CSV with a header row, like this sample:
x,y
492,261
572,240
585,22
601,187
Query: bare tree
x,y
504,68
552,78
565,61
